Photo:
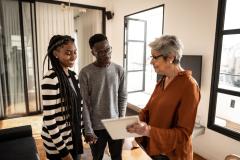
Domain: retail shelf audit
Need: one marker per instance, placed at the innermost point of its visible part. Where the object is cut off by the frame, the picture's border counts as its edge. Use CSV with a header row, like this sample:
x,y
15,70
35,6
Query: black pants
x,y
160,157
115,146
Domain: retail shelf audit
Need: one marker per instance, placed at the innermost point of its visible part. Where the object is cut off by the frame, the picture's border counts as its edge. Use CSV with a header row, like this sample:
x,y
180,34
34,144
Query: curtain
x,y
86,24
78,22
2,109
51,19
30,54
12,57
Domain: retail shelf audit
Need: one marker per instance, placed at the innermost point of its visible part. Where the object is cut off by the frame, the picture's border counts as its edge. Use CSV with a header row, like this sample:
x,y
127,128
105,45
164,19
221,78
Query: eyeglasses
x,y
156,57
103,51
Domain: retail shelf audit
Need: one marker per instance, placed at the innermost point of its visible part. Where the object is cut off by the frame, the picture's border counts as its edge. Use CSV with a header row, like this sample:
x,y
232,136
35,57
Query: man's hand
x,y
140,128
68,157
91,138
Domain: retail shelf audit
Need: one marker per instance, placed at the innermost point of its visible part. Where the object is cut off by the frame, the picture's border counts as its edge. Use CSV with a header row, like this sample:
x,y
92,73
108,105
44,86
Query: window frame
x,y
144,41
220,32
125,58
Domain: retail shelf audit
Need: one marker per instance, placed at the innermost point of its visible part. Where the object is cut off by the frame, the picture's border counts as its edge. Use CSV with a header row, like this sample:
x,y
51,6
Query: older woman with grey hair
x,y
167,121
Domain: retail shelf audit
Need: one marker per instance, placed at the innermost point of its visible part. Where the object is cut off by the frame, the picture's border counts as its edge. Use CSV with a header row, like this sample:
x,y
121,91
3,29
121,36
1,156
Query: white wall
x,y
115,25
194,22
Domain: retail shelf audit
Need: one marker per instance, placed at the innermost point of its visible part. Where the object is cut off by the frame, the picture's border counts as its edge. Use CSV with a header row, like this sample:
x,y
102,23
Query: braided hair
x,y
69,100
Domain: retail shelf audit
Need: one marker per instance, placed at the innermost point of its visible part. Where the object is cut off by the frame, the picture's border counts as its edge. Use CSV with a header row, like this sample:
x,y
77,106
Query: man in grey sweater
x,y
103,88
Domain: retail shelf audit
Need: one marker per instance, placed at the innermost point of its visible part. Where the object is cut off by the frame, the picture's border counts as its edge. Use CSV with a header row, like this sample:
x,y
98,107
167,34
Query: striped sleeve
x,y
51,104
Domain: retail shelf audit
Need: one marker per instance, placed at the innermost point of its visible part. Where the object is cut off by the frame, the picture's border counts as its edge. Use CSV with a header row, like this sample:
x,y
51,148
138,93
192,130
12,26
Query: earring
x,y
56,57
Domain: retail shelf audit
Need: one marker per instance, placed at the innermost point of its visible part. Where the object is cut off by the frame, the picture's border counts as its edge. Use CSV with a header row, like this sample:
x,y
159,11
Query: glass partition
x,y
17,65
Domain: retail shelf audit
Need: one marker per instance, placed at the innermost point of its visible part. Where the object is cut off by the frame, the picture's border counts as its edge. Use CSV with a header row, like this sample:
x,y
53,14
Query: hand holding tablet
x,y
117,127
140,128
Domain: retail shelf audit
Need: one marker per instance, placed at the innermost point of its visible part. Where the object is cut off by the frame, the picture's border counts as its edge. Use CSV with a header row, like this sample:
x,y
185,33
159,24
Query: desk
x,y
133,107
198,130
132,154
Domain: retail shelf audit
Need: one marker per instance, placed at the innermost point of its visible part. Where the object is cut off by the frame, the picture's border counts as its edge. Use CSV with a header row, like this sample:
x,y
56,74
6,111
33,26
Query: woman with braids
x,y
62,108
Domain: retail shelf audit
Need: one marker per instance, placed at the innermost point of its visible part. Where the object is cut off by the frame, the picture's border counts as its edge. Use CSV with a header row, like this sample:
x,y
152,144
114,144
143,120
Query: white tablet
x,y
117,127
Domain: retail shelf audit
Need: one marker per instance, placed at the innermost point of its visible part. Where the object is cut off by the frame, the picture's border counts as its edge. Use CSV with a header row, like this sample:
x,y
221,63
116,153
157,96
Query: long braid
x,y
68,97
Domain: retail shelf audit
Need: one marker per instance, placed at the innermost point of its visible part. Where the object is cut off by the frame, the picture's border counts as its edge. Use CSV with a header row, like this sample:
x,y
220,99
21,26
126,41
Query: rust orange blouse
x,y
171,113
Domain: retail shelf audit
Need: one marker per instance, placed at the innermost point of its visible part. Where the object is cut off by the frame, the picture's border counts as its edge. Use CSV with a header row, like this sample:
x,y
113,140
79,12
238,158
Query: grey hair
x,y
168,44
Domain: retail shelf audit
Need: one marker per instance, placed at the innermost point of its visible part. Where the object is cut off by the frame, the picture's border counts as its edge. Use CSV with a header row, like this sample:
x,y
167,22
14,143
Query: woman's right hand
x,y
68,157
91,138
140,128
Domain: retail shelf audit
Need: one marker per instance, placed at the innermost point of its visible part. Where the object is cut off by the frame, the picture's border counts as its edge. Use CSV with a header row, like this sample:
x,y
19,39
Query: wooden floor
x,y
36,122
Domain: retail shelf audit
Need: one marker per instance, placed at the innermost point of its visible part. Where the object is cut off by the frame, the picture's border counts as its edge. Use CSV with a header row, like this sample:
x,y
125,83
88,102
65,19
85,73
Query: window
x,y
225,92
140,29
18,64
24,36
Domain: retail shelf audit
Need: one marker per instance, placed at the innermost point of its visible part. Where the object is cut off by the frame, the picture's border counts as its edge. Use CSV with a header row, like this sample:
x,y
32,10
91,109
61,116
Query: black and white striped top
x,y
56,134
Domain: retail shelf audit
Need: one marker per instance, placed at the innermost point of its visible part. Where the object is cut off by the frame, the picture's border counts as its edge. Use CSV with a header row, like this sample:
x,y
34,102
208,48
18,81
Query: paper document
x,y
117,127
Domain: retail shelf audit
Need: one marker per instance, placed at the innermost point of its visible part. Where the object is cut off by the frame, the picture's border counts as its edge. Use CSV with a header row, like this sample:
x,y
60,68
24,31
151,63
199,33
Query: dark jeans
x,y
160,157
115,146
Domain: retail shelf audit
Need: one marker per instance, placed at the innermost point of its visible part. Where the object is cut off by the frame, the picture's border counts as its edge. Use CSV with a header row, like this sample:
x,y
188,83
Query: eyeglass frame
x,y
156,57
108,50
